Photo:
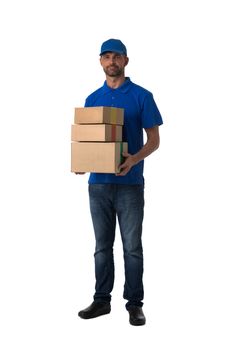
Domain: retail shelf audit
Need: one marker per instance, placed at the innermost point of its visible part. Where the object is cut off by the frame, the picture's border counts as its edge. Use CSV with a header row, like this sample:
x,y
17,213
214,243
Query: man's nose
x,y
112,59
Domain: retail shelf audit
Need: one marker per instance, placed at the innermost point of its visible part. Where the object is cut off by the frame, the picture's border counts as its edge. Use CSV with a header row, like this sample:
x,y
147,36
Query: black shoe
x,y
95,309
136,316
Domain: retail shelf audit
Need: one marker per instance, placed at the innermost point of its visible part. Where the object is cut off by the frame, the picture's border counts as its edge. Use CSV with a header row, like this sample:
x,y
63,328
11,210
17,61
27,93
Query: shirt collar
x,y
122,88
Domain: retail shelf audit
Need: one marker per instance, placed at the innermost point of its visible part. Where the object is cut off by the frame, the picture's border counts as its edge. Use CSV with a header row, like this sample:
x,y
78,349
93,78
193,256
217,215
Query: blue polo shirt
x,y
140,112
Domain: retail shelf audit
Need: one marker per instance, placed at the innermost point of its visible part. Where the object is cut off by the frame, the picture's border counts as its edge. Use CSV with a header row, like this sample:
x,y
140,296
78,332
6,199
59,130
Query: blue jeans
x,y
125,202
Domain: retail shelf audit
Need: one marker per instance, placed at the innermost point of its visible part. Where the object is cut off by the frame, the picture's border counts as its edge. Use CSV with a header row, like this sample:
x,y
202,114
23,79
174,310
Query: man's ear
x,y
126,60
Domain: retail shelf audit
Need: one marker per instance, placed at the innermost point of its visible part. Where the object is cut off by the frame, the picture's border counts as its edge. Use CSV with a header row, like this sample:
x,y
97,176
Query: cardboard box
x,y
99,115
100,157
96,132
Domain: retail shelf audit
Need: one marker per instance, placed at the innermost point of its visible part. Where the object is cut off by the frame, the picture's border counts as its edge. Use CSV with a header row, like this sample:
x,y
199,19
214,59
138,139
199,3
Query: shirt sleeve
x,y
87,102
150,113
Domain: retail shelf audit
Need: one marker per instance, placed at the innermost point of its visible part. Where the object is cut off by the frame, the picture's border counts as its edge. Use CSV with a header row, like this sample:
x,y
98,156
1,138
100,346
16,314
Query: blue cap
x,y
113,45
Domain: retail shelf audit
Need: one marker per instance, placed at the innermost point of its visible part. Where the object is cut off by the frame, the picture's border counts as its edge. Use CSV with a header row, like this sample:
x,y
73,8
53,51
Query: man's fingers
x,y
122,173
125,154
122,166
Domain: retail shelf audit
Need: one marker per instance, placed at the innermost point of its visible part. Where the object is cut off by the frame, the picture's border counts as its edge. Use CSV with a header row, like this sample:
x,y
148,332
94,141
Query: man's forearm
x,y
146,150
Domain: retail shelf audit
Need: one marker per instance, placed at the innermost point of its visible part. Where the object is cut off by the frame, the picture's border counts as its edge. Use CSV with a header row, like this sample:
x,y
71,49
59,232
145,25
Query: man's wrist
x,y
135,158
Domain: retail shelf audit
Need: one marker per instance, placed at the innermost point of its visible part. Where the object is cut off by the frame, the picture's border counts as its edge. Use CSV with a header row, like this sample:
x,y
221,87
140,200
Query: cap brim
x,y
115,51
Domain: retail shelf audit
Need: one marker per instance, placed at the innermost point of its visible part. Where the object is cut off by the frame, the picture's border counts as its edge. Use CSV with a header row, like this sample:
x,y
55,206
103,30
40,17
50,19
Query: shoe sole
x,y
101,313
137,323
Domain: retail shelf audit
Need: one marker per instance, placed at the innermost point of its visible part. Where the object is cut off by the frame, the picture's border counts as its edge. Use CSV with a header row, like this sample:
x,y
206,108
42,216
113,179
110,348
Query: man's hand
x,y
129,162
151,145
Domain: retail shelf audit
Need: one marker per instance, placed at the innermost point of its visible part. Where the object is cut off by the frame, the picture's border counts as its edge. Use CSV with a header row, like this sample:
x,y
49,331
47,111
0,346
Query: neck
x,y
115,82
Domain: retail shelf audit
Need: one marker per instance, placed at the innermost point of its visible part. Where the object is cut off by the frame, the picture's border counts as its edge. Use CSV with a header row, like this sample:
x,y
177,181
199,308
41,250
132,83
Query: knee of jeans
x,y
134,250
105,250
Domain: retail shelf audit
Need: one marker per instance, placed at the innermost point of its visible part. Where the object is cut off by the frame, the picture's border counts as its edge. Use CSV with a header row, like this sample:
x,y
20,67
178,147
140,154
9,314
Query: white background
x,y
182,52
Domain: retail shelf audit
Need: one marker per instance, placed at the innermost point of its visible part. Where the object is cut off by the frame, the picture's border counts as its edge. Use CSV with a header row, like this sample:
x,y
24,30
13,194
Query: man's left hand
x,y
125,167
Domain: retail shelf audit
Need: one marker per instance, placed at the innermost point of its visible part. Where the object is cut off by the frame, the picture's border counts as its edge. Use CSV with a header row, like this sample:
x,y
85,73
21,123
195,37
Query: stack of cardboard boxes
x,y
96,137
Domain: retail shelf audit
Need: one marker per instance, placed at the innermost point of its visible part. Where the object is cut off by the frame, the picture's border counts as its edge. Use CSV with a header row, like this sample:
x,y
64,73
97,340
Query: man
x,y
121,195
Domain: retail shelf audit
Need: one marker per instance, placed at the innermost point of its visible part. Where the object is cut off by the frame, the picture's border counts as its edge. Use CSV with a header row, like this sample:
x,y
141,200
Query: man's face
x,y
113,63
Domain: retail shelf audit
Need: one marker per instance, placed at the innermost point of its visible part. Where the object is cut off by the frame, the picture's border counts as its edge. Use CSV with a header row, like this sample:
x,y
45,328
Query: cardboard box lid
x,y
96,132
99,115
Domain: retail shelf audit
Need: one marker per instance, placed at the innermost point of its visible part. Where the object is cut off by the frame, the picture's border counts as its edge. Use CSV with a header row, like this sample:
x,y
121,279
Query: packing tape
x,y
121,151
113,134
113,115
